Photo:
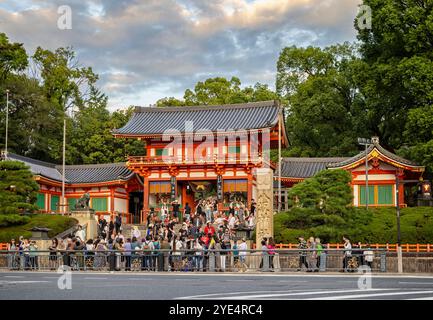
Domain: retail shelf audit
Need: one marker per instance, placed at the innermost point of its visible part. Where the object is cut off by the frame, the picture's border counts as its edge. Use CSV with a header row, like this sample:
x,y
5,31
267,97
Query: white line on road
x,y
423,298
271,294
18,282
367,295
13,276
407,282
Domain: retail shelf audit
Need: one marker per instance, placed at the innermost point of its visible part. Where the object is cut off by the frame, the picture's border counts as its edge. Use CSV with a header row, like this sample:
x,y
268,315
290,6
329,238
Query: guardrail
x,y
406,247
192,260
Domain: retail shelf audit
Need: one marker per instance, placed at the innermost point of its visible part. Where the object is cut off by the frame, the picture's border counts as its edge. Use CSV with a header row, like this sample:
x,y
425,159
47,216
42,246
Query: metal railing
x,y
390,247
198,261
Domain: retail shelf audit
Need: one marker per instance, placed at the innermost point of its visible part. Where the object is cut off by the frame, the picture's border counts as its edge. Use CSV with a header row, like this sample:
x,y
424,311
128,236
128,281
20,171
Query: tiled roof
x,y
78,173
305,167
378,147
96,172
45,169
255,115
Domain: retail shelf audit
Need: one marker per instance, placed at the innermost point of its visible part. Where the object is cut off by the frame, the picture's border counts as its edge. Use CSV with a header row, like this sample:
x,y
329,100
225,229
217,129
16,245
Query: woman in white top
x,y
136,233
232,221
176,246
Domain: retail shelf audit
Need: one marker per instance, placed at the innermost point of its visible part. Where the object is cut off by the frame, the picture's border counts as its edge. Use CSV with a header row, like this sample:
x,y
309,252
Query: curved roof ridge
x,y
256,104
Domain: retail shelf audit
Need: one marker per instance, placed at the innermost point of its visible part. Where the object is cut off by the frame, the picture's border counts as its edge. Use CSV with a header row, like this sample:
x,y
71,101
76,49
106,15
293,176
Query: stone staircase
x,y
127,229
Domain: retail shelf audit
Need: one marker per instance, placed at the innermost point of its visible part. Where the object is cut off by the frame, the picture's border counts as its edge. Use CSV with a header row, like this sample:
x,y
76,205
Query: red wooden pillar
x,y
249,189
112,200
401,194
145,198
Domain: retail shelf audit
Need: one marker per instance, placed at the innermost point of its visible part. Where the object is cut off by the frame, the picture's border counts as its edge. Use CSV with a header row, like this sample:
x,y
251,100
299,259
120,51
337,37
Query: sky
x,y
149,49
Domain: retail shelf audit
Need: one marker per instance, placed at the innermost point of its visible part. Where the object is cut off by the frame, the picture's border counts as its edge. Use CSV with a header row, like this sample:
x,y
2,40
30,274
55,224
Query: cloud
x,y
145,50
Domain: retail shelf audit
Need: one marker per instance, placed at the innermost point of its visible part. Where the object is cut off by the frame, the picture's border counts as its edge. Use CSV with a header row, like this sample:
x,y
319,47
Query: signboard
x,y
220,188
173,188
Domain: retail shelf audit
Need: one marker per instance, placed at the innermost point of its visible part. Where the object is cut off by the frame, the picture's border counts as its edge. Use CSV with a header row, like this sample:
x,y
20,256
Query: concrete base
x,y
87,218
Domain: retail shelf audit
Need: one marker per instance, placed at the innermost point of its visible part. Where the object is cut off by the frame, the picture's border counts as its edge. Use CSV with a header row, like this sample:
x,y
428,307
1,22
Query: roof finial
x,y
375,140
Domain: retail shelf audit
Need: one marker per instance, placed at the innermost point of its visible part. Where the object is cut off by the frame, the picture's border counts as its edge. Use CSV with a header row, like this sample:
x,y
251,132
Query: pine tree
x,y
18,190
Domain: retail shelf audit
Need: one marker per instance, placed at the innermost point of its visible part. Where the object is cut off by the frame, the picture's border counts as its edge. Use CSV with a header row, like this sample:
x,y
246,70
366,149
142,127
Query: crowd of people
x,y
312,252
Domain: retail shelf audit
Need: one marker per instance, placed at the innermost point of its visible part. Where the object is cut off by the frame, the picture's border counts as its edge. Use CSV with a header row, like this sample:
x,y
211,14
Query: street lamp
x,y
365,142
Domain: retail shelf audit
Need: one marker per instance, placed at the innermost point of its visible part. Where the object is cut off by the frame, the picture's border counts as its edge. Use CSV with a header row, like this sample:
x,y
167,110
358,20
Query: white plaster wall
x,y
356,195
120,205
374,177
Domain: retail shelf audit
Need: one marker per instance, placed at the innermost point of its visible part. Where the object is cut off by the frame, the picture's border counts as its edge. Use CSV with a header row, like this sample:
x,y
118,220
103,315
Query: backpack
x,y
146,246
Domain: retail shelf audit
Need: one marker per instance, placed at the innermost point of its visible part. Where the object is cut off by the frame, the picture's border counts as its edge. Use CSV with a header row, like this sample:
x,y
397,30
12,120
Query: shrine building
x,y
197,152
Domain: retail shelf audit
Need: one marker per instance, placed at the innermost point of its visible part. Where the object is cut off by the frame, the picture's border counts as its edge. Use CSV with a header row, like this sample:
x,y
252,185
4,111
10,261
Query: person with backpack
x,y
176,247
147,248
156,255
302,246
347,254
319,253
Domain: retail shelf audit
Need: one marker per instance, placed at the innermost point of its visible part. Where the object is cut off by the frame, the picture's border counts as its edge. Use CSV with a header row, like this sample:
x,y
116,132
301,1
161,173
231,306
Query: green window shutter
x,y
385,194
54,203
370,195
99,204
71,203
41,201
234,149
161,152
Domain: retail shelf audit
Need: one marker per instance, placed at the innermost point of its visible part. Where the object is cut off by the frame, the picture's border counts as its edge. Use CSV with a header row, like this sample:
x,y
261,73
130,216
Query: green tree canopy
x,y
18,190
328,192
214,91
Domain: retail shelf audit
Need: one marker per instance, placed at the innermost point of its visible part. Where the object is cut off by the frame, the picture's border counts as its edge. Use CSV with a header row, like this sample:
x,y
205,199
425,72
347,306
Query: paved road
x,y
130,286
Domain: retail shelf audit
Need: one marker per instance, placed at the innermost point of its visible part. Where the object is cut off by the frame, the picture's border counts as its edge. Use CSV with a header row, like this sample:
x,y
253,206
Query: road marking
x,y
14,276
96,278
407,282
355,296
424,298
18,282
232,293
275,294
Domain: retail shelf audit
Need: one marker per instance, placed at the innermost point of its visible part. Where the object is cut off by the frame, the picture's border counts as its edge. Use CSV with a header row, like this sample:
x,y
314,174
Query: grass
x,y
56,223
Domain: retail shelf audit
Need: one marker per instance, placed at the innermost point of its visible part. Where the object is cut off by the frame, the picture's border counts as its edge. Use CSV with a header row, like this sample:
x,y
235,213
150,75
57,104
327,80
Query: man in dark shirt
x,y
176,207
187,212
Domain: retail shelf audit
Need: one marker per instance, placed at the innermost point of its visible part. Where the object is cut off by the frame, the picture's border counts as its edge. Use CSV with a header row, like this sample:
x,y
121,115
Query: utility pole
x,y
63,164
397,203
7,123
281,118
365,142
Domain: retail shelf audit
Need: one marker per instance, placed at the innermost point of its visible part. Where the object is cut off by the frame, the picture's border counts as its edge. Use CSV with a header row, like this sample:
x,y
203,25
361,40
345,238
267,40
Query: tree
x,y
324,112
18,190
397,77
327,192
216,91
13,57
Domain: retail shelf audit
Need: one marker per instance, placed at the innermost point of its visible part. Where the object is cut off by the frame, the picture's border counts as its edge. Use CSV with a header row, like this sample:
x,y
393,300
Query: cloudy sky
x,y
145,50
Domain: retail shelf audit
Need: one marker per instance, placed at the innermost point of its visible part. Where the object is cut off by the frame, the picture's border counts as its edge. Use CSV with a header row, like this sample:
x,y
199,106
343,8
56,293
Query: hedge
x,y
377,225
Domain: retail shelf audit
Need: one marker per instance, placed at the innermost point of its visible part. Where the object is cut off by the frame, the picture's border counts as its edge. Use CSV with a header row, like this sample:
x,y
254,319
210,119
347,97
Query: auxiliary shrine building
x,y
210,151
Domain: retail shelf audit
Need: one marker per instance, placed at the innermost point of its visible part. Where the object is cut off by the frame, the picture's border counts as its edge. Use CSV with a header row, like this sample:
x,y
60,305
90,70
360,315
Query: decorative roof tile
x,y
156,120
292,167
76,173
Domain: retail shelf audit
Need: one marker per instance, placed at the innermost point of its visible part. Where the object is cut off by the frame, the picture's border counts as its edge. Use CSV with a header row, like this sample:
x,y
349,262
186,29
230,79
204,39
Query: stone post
x,y
87,217
264,214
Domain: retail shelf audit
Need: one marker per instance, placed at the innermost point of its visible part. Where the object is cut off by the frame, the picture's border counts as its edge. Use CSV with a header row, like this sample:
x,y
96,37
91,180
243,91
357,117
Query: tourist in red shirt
x,y
209,229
